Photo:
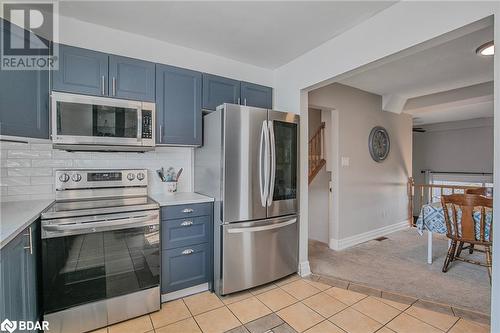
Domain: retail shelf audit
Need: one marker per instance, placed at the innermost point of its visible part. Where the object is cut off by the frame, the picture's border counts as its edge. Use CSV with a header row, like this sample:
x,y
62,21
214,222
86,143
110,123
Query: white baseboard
x,y
304,269
184,292
344,243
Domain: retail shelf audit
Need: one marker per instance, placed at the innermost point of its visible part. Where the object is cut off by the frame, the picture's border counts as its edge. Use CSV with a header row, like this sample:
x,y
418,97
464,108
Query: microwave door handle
x,y
273,162
139,124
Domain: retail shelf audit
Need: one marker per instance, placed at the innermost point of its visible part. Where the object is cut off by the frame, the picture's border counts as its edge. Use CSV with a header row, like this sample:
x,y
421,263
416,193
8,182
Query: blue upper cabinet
x,y
131,78
256,95
24,98
81,71
178,106
218,90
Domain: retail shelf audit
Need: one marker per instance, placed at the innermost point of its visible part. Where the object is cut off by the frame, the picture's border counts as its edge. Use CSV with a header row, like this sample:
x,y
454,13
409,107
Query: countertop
x,y
15,216
180,198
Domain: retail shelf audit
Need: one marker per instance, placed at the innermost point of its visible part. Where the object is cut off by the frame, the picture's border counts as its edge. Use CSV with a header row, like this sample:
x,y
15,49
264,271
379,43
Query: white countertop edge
x,y
12,232
180,198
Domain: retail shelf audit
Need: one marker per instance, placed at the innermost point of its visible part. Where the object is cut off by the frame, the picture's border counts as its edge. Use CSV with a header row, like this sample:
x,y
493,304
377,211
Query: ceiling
x,y
432,74
262,33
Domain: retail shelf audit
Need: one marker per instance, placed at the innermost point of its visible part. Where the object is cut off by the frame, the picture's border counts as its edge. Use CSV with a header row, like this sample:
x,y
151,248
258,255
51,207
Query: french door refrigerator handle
x,y
264,139
261,228
273,162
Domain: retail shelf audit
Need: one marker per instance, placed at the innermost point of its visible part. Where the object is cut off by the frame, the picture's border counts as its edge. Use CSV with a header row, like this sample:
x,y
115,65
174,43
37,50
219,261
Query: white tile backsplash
x,y
27,169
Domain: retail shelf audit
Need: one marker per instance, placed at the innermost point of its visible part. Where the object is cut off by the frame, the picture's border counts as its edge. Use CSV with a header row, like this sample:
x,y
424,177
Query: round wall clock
x,y
379,144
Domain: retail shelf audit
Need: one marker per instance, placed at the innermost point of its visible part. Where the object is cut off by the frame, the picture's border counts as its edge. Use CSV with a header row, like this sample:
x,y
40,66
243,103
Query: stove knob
x,y
140,176
76,177
64,177
130,176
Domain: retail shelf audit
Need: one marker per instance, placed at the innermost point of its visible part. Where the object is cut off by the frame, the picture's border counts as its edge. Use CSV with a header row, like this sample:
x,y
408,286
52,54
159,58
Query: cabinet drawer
x,y
184,232
183,211
185,267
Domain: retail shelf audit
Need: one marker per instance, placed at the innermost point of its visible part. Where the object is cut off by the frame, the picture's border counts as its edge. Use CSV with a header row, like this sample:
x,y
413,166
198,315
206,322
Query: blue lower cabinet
x,y
185,267
186,211
184,232
19,277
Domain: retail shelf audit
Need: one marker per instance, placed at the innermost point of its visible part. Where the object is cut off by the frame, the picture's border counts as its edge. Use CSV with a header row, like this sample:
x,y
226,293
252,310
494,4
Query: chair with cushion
x,y
469,220
484,191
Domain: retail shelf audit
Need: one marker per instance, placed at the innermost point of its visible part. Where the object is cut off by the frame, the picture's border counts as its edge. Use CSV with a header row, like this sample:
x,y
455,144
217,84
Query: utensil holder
x,y
170,187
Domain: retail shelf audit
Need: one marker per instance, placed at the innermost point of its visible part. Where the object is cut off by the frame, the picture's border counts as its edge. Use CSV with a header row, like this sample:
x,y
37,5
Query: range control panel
x,y
88,179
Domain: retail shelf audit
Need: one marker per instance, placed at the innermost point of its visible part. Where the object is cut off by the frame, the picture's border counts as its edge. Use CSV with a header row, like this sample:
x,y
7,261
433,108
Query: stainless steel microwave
x,y
82,122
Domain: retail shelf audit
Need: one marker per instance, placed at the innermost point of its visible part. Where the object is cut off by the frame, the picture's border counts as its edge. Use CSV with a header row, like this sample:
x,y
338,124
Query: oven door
x,y
102,257
89,120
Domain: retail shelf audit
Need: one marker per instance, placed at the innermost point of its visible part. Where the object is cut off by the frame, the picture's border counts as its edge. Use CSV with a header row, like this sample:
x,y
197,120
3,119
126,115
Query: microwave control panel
x,y
147,124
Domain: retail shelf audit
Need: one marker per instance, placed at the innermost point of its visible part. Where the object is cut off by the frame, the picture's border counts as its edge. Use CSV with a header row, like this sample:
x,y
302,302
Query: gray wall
x,y
371,195
318,191
458,146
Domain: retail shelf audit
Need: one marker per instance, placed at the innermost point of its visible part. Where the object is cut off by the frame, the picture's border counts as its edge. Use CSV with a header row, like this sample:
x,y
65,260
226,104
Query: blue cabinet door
x,y
24,98
19,299
256,95
185,267
131,79
81,71
218,90
178,106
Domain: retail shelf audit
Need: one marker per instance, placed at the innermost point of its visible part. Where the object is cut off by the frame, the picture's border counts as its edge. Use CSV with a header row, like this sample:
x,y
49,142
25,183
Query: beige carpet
x,y
398,264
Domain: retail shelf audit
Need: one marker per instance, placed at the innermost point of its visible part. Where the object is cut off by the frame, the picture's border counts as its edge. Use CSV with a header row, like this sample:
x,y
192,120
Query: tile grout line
x,y
192,316
409,314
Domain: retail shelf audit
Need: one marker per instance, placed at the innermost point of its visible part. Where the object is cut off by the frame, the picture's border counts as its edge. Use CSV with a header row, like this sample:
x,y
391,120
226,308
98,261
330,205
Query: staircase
x,y
316,152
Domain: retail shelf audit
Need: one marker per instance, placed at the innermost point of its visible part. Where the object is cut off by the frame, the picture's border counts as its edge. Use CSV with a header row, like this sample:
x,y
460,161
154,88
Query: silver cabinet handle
x,y
239,100
187,210
103,88
187,223
161,133
245,101
187,252
113,83
30,240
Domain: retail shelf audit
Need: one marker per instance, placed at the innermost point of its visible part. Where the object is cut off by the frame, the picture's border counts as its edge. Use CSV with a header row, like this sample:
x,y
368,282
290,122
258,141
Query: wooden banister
x,y
422,194
316,152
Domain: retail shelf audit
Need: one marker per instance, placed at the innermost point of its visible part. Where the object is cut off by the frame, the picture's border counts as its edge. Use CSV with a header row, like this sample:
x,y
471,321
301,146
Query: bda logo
x,y
8,325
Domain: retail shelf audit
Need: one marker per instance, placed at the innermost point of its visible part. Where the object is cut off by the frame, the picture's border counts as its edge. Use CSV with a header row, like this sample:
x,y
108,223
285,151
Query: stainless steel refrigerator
x,y
249,164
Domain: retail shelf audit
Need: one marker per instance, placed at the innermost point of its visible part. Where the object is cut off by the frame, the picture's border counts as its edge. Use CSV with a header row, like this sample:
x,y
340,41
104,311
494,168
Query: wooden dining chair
x,y
484,191
464,232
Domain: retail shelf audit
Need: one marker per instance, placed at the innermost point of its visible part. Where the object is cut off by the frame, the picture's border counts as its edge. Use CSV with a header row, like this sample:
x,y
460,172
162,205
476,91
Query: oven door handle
x,y
105,224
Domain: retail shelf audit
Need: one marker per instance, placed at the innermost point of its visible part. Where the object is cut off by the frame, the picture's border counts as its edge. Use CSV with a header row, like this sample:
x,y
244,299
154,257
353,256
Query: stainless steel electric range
x,y
100,250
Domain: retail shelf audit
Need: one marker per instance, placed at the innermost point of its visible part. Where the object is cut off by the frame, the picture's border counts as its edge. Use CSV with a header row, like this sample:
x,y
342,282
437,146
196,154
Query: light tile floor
x,y
293,305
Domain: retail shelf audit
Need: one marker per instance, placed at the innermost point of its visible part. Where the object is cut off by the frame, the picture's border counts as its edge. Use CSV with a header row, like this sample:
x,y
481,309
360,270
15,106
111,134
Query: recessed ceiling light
x,y
487,49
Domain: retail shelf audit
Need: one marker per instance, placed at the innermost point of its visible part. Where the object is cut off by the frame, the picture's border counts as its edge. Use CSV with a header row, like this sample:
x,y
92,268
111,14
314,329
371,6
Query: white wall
x,y
458,146
318,191
371,195
87,35
27,169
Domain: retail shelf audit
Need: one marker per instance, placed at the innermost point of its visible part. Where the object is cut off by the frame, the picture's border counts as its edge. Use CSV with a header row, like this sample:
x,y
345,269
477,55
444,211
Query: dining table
x,y
431,218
